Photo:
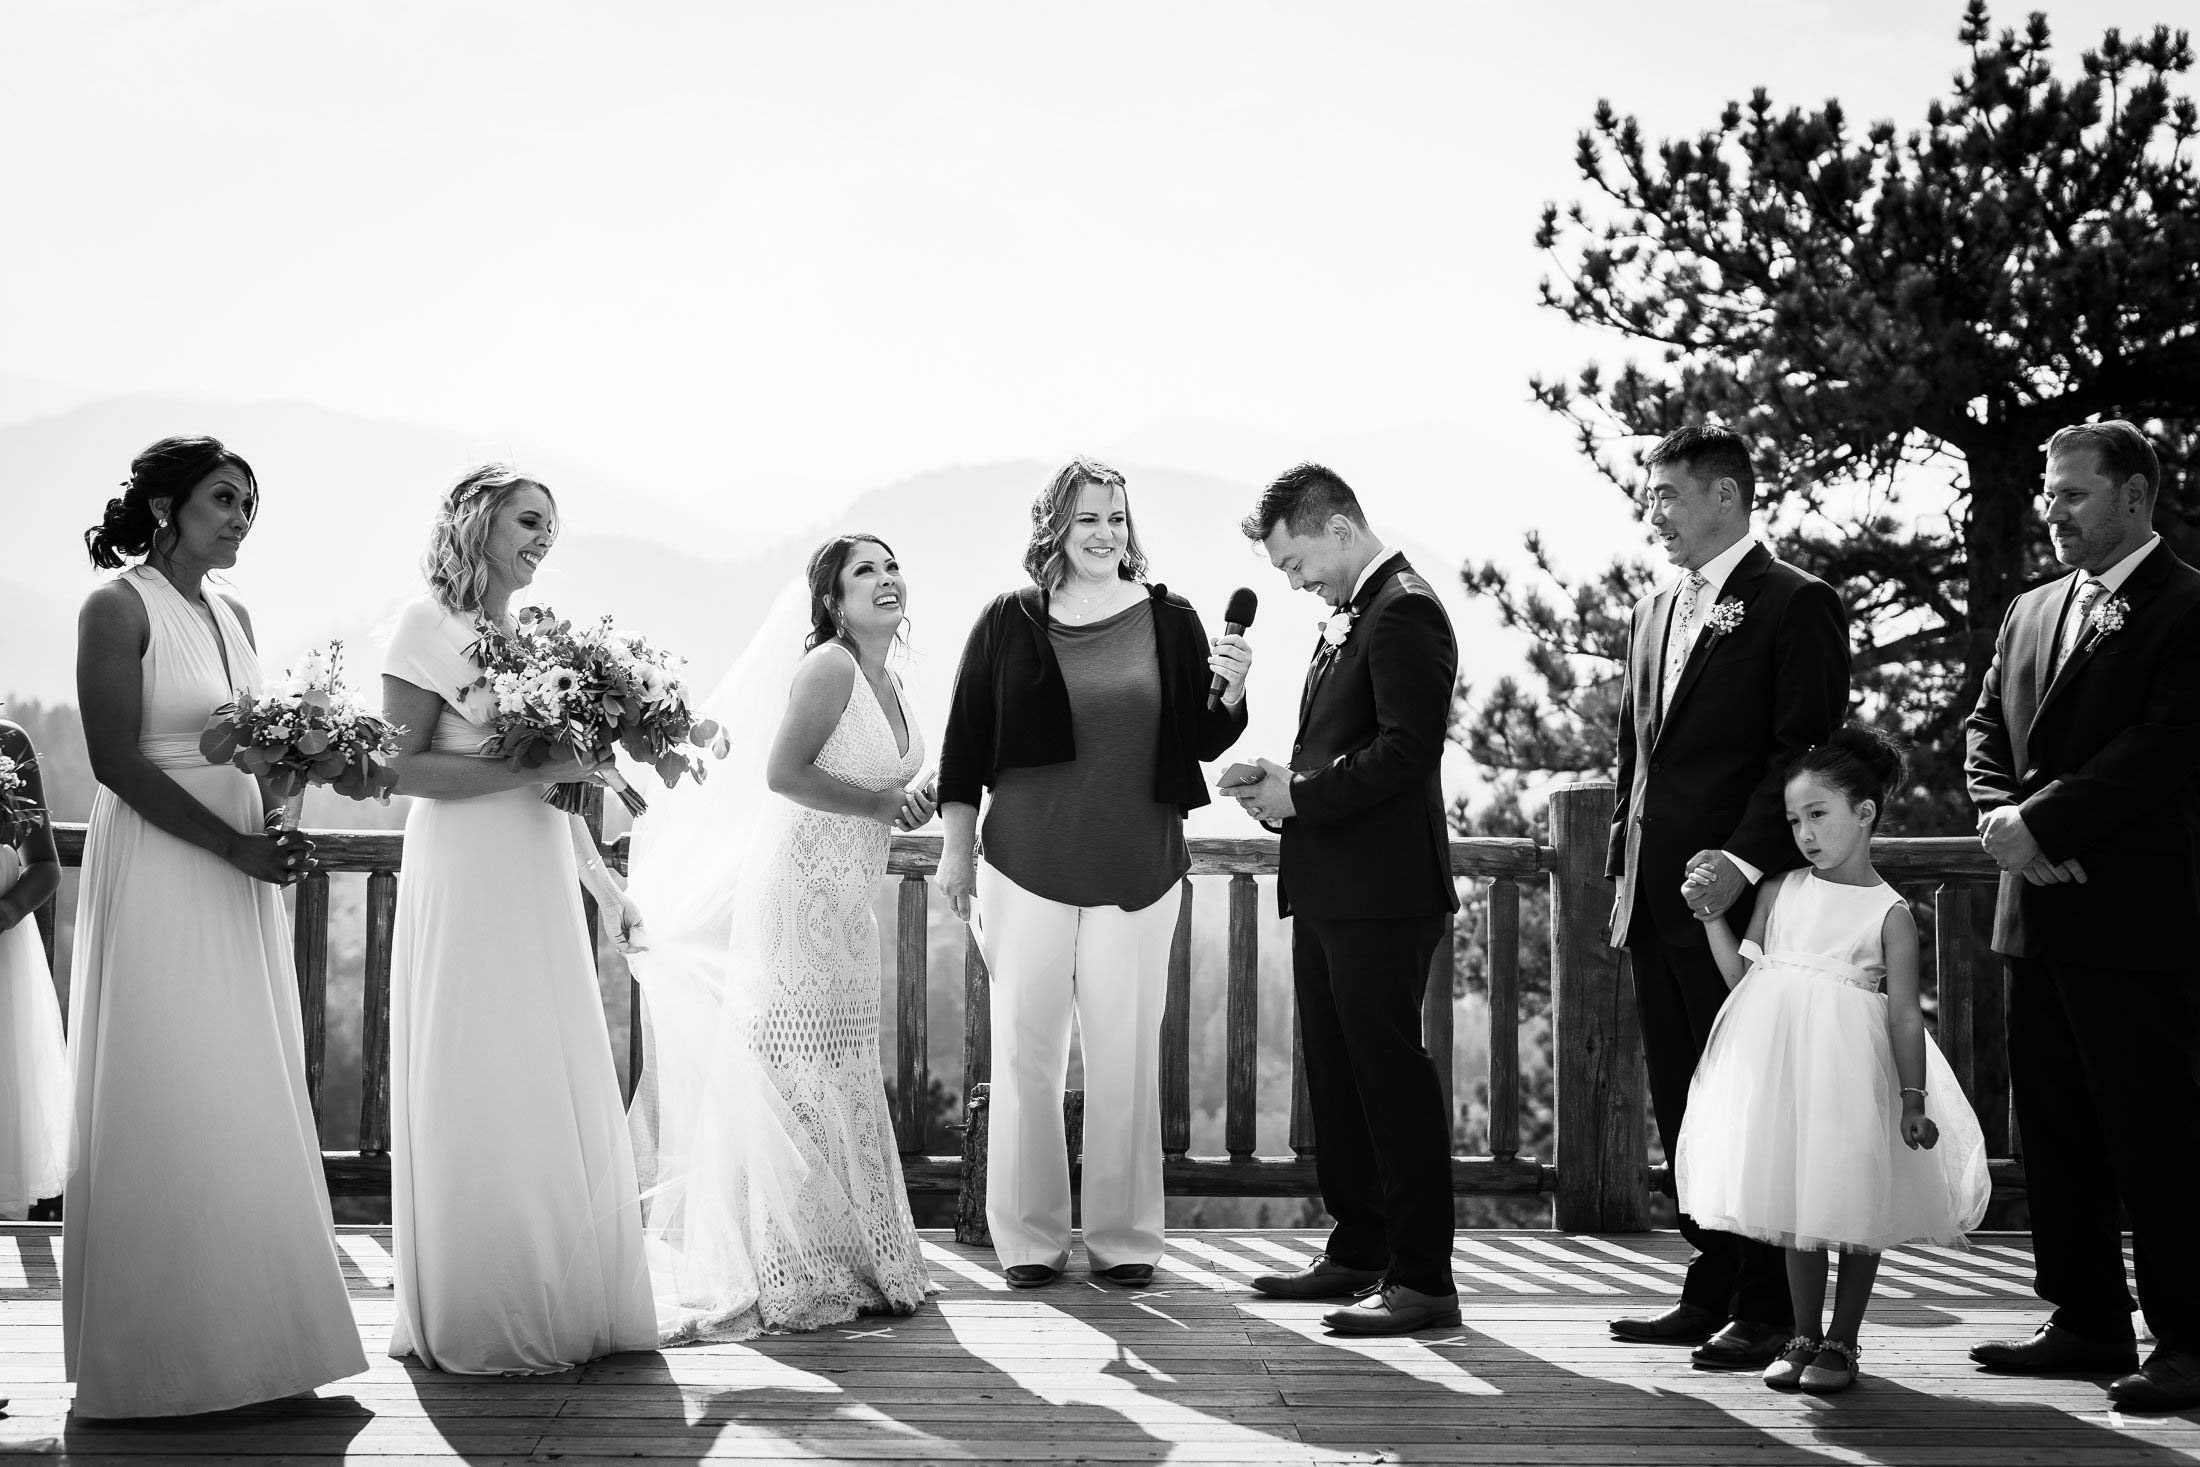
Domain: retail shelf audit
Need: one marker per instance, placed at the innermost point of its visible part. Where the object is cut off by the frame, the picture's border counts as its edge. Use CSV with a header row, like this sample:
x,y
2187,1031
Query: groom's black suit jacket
x,y
1370,839
1706,776
2103,760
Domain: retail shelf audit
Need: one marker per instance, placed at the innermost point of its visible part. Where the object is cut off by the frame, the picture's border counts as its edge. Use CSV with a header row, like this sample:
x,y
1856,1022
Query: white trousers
x,y
1111,968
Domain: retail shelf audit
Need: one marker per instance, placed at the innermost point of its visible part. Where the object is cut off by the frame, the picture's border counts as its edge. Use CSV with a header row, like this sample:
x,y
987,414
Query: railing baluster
x,y
1504,992
1242,1072
374,1027
1436,1023
1956,977
1302,1104
1176,1038
912,1017
977,1019
309,956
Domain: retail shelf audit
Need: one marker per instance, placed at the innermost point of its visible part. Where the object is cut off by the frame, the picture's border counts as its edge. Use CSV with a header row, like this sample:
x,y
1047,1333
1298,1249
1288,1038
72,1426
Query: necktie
x,y
2089,596
1677,639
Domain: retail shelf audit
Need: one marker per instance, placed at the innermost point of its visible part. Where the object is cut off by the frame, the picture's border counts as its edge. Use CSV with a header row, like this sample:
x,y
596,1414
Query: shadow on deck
x,y
1195,1369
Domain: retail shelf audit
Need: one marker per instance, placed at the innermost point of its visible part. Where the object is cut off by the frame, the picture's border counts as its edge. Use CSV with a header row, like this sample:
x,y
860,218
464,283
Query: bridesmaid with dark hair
x,y
199,1269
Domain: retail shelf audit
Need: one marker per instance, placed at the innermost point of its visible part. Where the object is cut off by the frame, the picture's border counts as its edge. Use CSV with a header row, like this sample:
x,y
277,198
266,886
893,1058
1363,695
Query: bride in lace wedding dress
x,y
772,1190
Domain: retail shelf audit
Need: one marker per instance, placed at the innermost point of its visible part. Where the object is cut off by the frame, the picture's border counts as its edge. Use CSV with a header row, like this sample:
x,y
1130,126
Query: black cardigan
x,y
1011,707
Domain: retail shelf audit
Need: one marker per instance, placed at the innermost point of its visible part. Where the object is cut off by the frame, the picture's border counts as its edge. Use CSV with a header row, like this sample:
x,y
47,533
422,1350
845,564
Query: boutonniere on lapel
x,y
2107,618
1724,617
1338,627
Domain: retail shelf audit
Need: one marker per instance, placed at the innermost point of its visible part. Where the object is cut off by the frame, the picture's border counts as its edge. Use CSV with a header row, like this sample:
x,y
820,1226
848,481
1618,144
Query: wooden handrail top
x,y
1899,859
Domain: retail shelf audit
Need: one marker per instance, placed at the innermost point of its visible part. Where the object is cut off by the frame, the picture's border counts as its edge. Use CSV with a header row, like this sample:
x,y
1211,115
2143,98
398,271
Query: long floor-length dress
x,y
199,1271
34,1065
793,1214
513,1203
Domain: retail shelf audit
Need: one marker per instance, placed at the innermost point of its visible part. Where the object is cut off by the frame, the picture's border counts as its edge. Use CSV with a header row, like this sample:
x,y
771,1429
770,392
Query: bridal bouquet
x,y
567,692
305,728
20,815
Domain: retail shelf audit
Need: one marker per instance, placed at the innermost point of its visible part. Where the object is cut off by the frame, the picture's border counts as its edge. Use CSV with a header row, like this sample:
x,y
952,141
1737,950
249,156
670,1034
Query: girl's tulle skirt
x,y
1793,1131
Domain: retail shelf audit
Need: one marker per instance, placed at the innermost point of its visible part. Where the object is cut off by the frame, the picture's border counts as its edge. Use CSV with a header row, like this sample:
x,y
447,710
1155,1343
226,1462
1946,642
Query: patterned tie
x,y
2089,596
1676,637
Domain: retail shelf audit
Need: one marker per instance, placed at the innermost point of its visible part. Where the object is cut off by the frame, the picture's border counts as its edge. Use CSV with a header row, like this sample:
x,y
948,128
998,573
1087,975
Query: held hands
x,y
276,857
919,803
1262,790
575,770
2009,841
1713,885
1232,659
627,933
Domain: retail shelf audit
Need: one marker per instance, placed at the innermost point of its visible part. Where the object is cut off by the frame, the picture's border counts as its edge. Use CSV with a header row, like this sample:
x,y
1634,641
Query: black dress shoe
x,y
1743,1345
1320,1279
1683,1324
1030,1275
2169,1381
1129,1275
2053,1350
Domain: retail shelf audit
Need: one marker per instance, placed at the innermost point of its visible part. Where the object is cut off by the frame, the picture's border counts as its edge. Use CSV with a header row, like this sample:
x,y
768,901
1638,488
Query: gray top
x,y
1089,833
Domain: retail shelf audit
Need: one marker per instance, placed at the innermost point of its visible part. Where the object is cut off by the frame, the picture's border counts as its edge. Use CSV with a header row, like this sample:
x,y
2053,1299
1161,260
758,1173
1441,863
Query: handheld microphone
x,y
1236,617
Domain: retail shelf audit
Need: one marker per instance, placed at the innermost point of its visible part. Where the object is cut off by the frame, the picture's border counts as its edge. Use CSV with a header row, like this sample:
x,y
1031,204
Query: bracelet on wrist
x,y
1916,1090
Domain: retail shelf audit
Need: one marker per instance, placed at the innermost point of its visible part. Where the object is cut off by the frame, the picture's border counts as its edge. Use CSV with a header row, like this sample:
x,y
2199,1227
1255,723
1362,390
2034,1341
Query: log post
x,y
1596,1036
1504,992
1956,980
912,1020
1176,1038
374,1025
309,956
1241,1074
977,1022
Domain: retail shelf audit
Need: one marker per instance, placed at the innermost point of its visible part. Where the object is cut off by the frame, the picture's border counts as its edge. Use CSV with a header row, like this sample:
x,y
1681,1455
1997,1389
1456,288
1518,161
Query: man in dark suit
x,y
1365,876
2084,762
1734,670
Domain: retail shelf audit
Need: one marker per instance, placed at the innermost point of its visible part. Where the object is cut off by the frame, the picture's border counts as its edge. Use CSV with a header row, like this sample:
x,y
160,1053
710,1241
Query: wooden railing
x,y
1598,1174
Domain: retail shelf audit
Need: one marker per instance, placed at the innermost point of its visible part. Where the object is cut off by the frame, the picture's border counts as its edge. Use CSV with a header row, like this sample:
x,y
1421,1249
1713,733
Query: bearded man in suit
x,y
2084,763
1364,873
1734,669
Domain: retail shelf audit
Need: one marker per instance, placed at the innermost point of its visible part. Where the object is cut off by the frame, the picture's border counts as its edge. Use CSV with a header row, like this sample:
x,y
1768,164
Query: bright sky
x,y
764,256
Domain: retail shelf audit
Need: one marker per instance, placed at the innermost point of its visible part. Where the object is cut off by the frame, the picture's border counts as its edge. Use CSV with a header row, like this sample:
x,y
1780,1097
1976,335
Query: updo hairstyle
x,y
170,470
457,564
1052,513
1859,761
823,576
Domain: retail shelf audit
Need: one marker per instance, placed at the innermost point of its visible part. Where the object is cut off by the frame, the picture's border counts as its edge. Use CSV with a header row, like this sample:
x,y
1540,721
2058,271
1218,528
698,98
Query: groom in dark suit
x,y
1365,876
1732,671
2084,762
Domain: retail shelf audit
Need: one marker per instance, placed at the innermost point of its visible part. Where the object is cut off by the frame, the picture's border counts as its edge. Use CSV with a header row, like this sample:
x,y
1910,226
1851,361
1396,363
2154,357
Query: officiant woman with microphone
x,y
1082,702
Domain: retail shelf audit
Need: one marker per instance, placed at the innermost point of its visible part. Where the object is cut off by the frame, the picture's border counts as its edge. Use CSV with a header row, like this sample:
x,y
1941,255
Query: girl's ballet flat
x,y
1833,1371
1786,1373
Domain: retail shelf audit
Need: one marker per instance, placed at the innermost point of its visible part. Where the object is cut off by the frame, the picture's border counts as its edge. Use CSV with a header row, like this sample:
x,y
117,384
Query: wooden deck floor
x,y
1196,1369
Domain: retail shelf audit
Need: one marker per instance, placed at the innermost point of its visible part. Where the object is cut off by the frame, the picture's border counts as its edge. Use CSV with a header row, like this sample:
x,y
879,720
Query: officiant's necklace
x,y
1083,606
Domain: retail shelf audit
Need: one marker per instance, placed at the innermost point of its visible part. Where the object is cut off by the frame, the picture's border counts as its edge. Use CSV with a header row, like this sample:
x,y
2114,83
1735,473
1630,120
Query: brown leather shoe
x,y
2169,1381
1742,1345
1683,1324
1394,1309
1129,1275
2053,1350
1320,1279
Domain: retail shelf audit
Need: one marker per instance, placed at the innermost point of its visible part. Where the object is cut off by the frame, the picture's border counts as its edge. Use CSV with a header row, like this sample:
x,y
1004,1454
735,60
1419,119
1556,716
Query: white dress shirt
x,y
1715,573
2111,581
1382,553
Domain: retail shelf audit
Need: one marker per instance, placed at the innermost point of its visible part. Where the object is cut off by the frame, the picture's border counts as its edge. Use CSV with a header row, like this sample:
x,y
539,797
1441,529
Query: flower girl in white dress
x,y
1821,1114
34,1056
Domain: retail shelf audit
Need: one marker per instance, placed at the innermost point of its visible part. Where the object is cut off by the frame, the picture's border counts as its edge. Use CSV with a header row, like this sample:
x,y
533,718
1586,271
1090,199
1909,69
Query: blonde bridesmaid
x,y
516,1218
